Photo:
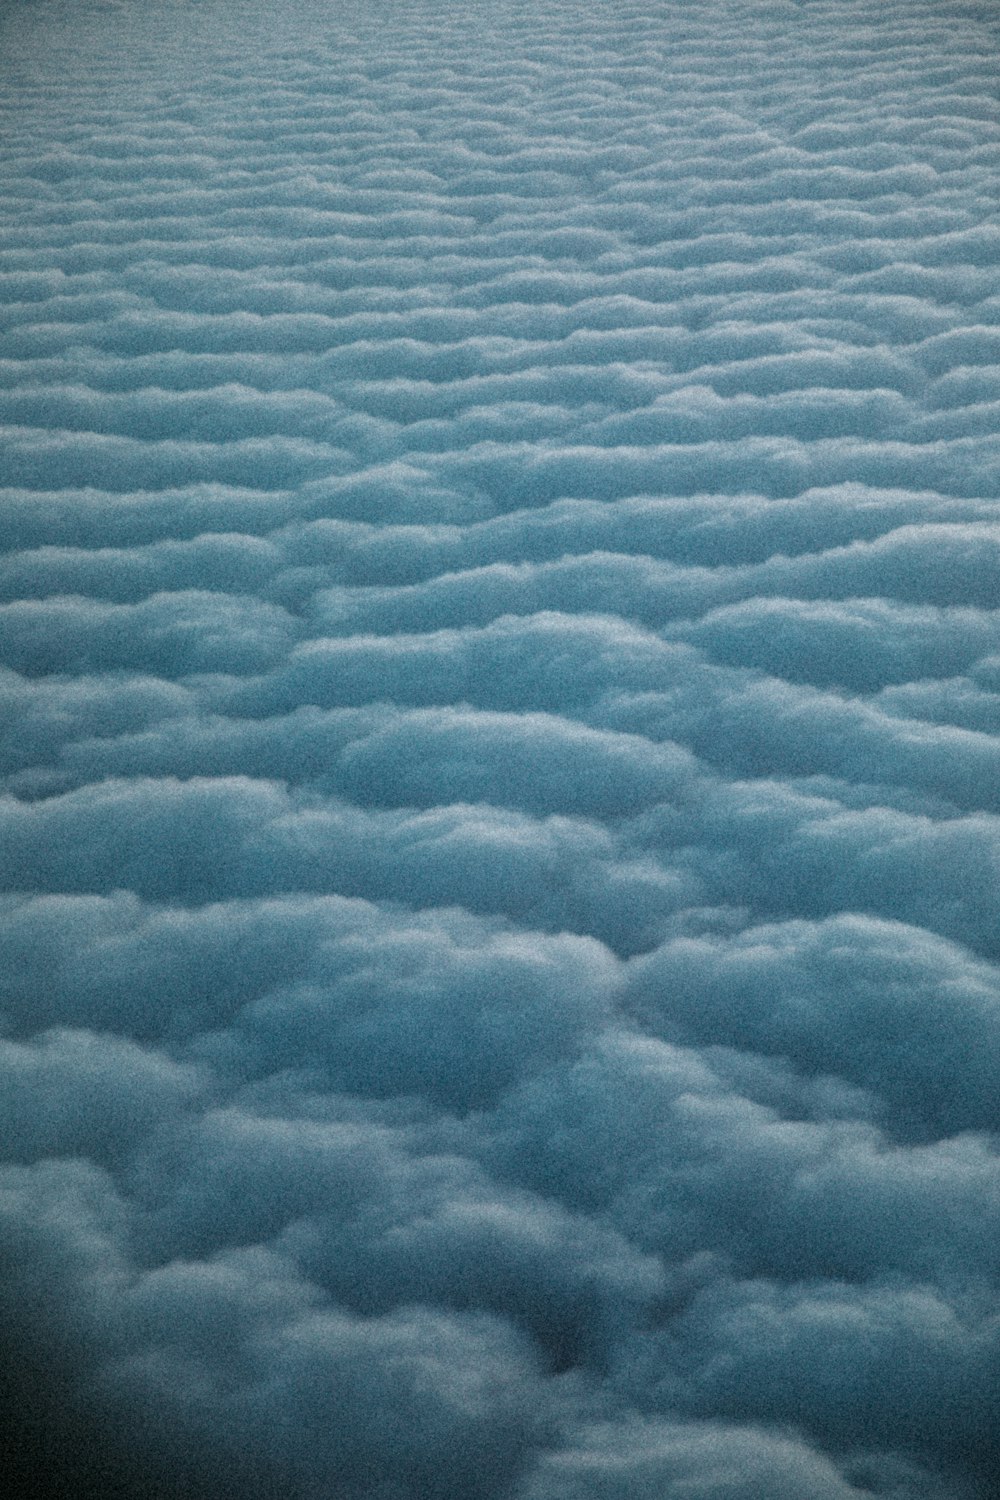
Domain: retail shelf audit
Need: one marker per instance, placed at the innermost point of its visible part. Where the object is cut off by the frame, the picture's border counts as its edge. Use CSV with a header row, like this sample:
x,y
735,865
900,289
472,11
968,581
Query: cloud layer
x,y
499,814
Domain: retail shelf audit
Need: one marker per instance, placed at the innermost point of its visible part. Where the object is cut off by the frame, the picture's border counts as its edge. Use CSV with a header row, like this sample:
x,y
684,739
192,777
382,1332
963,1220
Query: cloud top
x,y
499,697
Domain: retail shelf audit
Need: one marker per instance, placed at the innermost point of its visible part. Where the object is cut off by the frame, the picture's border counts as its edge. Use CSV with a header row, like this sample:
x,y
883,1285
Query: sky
x,y
499,796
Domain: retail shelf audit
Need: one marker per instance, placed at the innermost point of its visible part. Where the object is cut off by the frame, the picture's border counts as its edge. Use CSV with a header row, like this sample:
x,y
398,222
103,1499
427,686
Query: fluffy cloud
x,y
500,680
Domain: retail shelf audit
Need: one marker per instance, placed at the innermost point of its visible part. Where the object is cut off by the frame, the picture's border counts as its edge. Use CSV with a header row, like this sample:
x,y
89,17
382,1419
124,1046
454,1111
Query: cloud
x,y
499,669
191,630
711,1459
895,1002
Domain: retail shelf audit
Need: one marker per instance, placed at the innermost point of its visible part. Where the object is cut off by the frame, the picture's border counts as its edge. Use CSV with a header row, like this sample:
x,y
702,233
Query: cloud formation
x,y
499,698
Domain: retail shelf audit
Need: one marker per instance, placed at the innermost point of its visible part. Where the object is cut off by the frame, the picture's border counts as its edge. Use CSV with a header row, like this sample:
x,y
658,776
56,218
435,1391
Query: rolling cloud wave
x,y
499,827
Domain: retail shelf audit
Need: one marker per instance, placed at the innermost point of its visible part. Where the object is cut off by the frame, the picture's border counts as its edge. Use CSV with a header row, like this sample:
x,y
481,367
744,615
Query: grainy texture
x,y
500,804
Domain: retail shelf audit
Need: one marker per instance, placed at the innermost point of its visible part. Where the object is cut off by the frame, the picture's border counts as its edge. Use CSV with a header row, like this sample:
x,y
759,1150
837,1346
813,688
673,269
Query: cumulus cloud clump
x,y
499,817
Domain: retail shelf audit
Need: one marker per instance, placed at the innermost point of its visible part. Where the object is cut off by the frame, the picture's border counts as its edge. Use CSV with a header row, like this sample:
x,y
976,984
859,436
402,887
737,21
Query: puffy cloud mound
x,y
500,750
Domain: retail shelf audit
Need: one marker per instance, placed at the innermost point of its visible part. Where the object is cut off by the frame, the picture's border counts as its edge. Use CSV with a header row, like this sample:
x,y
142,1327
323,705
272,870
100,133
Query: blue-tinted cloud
x,y
499,814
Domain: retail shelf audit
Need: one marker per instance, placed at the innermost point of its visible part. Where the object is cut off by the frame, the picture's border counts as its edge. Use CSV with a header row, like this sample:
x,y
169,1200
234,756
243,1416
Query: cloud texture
x,y
499,761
